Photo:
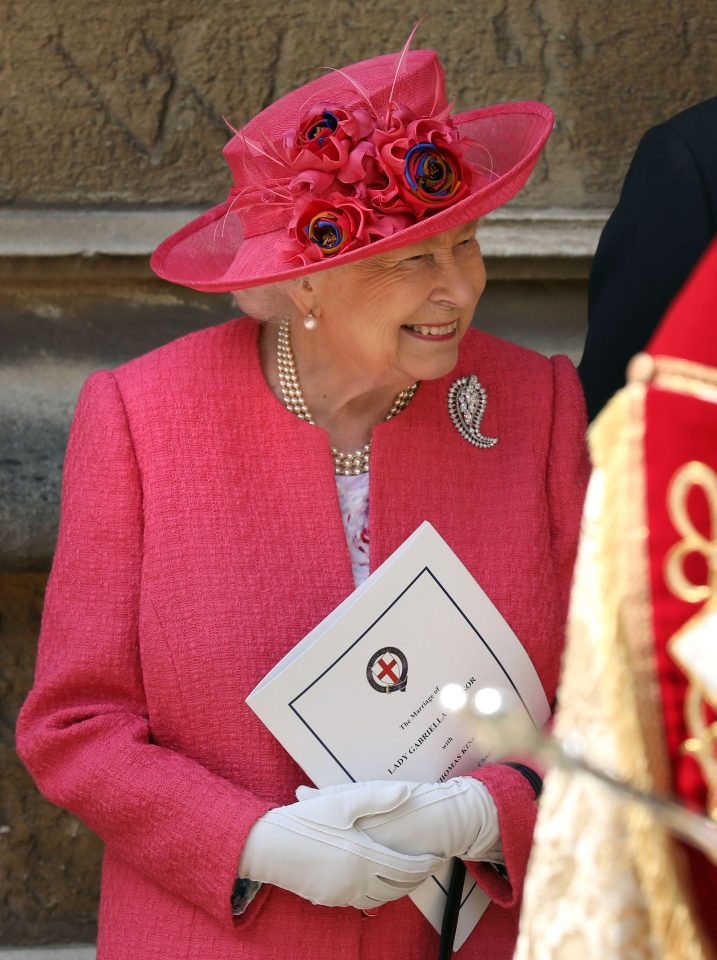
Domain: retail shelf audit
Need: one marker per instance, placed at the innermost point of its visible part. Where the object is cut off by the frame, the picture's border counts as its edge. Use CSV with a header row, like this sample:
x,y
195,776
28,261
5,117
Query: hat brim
x,y
210,253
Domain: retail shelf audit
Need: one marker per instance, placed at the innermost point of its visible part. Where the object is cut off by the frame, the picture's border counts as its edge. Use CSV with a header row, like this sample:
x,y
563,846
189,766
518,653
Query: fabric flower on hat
x,y
361,166
323,227
314,182
359,177
326,137
421,161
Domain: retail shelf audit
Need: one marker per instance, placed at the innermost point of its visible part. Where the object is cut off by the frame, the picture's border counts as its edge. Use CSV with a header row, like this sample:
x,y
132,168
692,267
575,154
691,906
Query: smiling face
x,y
396,318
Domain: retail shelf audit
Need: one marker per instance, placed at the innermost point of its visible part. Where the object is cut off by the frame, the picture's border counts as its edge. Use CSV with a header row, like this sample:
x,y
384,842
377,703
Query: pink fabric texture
x,y
200,539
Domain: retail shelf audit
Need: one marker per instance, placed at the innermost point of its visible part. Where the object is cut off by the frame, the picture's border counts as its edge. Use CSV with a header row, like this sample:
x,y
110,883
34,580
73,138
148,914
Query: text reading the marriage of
x,y
422,706
429,700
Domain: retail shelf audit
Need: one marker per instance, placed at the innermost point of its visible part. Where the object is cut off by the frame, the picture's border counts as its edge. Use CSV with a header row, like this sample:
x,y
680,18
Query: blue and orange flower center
x,y
323,128
325,232
432,175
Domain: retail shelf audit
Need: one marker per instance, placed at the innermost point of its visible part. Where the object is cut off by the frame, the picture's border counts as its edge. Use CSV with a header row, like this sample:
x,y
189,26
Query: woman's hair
x,y
270,301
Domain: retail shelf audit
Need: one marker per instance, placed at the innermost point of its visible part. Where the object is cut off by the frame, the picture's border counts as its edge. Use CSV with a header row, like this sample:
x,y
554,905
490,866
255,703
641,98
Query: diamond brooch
x,y
467,401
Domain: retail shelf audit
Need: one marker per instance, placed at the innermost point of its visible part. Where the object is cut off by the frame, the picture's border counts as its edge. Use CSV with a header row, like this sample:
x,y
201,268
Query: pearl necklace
x,y
345,464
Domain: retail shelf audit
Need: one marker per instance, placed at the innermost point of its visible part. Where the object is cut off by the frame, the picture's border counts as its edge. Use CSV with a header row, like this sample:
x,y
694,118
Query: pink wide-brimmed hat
x,y
358,162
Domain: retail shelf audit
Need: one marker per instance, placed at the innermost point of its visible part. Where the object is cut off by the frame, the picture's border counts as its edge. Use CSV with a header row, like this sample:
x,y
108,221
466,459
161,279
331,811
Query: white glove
x,y
457,818
318,849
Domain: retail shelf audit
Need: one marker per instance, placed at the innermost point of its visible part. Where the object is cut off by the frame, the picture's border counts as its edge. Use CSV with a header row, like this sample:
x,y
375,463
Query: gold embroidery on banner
x,y
689,476
694,646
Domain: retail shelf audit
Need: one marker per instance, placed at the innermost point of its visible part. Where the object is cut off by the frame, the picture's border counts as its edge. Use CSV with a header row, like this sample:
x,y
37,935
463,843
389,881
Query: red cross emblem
x,y
387,670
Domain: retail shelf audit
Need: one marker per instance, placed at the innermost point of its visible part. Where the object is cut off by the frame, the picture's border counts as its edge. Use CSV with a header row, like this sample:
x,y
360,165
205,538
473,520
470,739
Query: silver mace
x,y
504,727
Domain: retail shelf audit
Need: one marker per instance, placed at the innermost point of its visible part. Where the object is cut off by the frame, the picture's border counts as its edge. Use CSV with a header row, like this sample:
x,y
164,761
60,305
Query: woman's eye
x,y
416,259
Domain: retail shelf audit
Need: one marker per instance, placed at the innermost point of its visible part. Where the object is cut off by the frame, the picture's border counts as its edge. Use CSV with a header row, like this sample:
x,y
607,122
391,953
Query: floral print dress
x,y
353,503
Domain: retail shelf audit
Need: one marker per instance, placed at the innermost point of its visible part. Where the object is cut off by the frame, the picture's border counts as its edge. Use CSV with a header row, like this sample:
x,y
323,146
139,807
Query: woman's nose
x,y
457,284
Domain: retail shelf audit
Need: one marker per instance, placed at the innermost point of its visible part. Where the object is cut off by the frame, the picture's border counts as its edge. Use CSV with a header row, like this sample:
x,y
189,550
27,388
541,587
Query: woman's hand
x,y
456,818
319,849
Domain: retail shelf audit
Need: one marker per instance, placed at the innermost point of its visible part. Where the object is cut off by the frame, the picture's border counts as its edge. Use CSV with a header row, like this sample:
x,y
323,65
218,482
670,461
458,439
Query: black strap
x,y
453,906
455,887
534,779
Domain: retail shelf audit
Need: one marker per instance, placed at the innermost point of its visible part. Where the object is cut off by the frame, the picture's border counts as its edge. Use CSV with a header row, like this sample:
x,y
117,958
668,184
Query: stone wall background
x,y
123,106
108,108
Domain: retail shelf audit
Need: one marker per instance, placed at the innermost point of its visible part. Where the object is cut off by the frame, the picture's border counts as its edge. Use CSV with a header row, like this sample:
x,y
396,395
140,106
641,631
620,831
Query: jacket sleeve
x,y
84,732
566,481
663,222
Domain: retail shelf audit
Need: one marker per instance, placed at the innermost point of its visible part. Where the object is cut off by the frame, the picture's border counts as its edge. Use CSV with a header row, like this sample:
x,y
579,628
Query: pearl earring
x,y
310,321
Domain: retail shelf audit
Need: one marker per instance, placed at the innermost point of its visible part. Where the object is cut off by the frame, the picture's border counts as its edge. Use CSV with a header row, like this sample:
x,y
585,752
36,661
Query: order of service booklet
x,y
358,697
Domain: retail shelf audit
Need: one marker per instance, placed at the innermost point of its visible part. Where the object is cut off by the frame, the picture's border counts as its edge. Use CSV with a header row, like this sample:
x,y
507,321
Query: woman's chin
x,y
437,366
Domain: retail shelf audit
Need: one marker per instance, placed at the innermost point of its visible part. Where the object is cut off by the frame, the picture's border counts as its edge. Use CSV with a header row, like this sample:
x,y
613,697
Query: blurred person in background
x,y
663,223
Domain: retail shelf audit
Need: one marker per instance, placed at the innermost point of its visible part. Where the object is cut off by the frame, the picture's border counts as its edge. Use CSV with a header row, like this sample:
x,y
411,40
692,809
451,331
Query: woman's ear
x,y
303,295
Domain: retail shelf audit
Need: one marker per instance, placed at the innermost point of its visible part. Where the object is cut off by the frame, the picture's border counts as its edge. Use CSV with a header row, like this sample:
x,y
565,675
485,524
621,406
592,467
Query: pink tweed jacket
x,y
200,539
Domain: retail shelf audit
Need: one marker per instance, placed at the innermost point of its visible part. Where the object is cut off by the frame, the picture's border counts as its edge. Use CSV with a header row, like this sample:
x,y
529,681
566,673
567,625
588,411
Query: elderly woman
x,y
201,534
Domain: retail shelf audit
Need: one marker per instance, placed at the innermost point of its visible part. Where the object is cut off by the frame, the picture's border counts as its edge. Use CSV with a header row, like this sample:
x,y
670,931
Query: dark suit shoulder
x,y
697,120
684,145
